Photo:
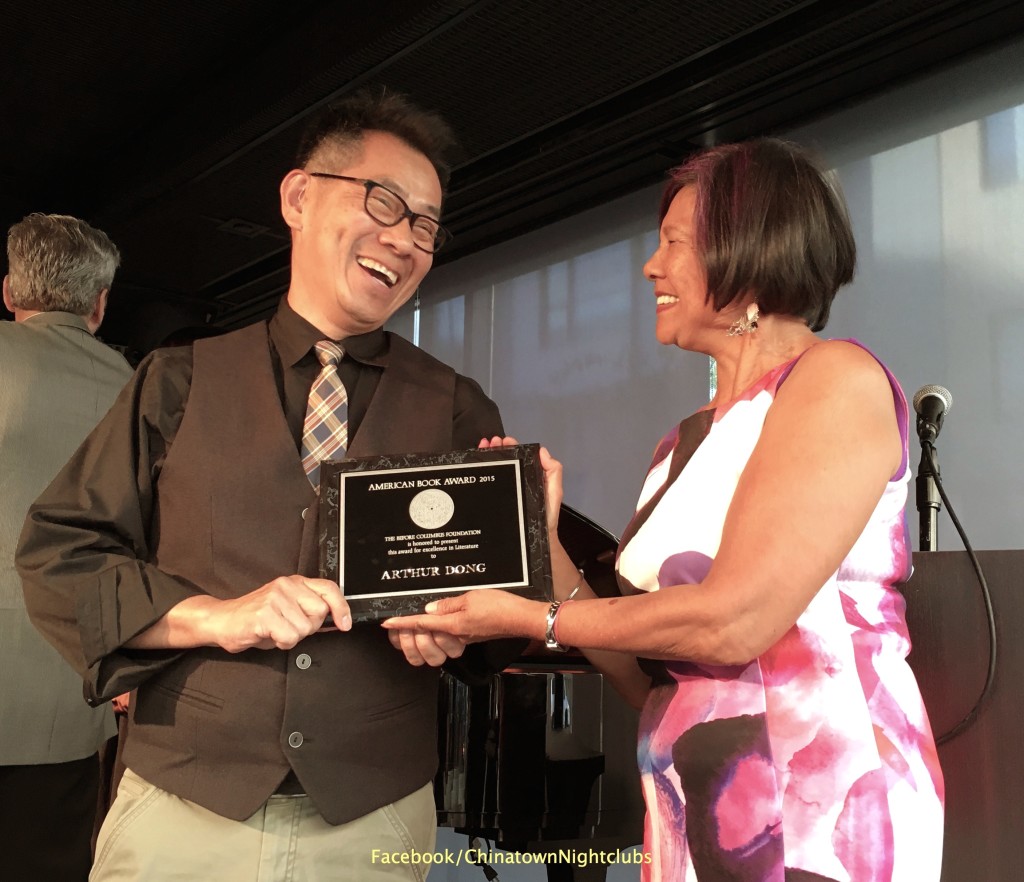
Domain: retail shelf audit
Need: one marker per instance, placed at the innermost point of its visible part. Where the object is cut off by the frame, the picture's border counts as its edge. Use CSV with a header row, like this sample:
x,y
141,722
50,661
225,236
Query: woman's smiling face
x,y
680,283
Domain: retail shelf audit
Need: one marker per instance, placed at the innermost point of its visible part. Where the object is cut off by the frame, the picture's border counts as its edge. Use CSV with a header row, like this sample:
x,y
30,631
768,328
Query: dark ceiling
x,y
169,125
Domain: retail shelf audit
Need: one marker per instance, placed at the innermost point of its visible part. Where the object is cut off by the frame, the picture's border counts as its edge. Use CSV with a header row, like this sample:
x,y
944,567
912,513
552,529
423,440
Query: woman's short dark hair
x,y
342,124
771,222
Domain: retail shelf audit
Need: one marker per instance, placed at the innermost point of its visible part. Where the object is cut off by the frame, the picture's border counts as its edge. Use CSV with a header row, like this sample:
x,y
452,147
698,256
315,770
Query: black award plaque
x,y
401,530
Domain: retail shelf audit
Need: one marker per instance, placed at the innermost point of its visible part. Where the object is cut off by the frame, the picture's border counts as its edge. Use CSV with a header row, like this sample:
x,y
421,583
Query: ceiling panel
x,y
170,125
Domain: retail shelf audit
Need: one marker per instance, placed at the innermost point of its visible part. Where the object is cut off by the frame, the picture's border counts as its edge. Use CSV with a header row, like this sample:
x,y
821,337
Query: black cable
x,y
488,870
929,450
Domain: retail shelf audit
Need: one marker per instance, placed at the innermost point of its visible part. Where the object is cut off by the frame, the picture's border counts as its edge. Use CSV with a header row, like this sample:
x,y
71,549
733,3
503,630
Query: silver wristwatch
x,y
550,641
549,631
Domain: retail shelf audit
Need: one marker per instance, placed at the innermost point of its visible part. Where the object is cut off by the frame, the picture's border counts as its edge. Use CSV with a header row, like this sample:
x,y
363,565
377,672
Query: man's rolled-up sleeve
x,y
84,553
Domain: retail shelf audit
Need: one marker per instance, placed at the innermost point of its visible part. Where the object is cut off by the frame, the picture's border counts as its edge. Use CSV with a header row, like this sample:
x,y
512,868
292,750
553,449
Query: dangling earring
x,y
745,325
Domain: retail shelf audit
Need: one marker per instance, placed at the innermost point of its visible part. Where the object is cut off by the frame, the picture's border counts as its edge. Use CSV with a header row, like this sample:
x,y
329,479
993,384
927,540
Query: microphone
x,y
932,403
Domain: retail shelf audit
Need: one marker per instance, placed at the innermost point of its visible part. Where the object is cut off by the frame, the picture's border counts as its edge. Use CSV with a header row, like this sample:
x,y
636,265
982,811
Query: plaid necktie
x,y
325,431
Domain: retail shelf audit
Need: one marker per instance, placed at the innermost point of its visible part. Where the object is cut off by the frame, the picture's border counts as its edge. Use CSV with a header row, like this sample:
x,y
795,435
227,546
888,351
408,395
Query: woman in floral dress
x,y
782,735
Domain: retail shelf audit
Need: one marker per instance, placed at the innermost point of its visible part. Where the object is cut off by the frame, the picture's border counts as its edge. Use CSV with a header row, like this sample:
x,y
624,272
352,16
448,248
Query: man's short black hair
x,y
770,222
343,122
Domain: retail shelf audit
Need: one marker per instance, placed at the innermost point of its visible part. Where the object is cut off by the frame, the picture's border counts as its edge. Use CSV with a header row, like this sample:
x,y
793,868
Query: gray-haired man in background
x,y
58,380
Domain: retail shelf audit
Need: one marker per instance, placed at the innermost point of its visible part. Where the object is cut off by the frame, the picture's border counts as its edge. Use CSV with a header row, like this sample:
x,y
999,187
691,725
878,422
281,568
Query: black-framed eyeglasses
x,y
389,209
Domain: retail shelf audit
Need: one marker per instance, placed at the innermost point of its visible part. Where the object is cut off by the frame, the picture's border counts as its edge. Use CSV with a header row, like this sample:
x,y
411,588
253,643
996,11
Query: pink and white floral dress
x,y
816,760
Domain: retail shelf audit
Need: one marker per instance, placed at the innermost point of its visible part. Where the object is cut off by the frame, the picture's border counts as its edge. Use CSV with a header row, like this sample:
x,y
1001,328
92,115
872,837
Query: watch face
x,y
431,509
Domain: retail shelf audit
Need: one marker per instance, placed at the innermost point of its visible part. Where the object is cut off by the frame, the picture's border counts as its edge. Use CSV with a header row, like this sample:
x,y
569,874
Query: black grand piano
x,y
543,756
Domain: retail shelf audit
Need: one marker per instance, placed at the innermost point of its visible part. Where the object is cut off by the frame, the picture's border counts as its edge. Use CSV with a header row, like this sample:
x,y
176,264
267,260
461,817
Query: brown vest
x,y
234,510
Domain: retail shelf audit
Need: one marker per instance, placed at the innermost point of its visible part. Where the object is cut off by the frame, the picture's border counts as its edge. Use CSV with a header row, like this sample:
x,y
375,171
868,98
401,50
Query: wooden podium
x,y
983,766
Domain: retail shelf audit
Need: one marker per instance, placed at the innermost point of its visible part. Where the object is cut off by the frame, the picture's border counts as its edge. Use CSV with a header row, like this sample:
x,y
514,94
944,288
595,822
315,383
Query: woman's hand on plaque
x,y
482,614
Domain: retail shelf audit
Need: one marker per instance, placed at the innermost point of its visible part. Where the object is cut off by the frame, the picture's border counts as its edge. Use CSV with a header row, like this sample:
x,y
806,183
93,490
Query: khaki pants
x,y
154,836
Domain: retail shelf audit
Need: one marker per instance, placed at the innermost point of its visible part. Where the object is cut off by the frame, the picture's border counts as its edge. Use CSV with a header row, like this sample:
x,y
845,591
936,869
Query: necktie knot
x,y
329,352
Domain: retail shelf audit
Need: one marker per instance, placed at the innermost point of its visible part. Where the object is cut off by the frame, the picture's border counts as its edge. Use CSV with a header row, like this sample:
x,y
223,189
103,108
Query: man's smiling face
x,y
349,273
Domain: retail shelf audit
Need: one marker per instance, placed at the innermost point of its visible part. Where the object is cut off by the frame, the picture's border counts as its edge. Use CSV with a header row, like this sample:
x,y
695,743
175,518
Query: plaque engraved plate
x,y
398,531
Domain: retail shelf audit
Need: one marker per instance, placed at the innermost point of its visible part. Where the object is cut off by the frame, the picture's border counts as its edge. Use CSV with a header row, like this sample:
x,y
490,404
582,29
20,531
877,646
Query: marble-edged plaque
x,y
400,530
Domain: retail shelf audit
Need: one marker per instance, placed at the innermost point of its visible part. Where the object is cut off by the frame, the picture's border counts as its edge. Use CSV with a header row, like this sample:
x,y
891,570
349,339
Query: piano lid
x,y
592,548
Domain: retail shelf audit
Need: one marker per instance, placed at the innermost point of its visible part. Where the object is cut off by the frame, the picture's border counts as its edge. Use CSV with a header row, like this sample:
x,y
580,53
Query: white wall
x,y
558,325
934,175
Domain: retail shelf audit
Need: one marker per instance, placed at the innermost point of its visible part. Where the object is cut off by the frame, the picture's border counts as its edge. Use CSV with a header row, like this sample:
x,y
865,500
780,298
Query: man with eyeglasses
x,y
175,554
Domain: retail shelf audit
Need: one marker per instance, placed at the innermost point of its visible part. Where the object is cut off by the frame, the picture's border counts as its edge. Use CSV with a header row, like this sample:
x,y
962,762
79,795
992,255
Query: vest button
x,y
295,739
304,513
303,661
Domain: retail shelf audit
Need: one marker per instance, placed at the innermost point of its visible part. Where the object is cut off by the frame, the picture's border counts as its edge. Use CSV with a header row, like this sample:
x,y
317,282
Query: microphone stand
x,y
928,500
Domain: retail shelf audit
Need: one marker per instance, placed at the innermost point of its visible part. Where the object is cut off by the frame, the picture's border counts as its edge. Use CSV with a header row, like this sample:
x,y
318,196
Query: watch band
x,y
549,631
550,640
